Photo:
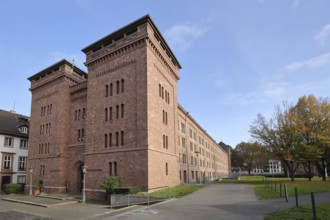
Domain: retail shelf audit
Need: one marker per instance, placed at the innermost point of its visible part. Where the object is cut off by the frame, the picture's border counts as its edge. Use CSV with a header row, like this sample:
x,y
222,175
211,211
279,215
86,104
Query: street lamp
x,y
84,170
31,171
200,175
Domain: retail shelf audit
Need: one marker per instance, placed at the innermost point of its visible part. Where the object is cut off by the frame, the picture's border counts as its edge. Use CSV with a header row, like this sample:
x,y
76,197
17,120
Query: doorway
x,y
5,180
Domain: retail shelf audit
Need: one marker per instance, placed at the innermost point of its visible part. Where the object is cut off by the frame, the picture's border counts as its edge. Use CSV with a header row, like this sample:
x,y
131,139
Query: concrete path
x,y
217,201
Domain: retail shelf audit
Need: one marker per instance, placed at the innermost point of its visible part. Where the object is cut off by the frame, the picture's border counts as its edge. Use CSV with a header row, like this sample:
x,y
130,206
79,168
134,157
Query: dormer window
x,y
24,130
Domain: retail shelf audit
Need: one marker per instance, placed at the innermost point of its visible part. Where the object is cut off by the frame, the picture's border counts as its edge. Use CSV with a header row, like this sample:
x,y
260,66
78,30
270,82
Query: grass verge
x,y
176,191
302,212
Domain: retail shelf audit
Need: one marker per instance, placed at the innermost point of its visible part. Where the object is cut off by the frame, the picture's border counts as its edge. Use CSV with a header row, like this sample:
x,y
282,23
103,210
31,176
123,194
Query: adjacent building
x,y
14,129
122,118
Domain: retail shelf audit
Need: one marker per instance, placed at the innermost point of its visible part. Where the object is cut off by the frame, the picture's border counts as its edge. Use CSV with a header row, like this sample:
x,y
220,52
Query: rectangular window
x,y
118,87
111,89
115,168
9,142
78,135
22,163
117,138
105,140
122,138
106,90
82,134
110,113
76,115
122,86
21,179
110,169
122,110
117,111
106,114
110,139
42,170
166,169
84,113
7,162
24,144
164,141
160,90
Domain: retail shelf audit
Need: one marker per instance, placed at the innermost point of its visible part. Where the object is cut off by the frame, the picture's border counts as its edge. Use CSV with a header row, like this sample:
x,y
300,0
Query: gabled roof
x,y
127,28
10,122
55,66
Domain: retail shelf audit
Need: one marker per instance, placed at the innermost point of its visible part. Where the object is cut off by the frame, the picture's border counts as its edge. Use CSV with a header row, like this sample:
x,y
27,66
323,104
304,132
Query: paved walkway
x,y
217,201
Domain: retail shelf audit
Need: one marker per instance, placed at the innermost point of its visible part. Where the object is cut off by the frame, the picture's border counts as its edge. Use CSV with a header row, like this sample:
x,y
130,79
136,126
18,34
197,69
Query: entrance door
x,y
81,178
5,180
184,176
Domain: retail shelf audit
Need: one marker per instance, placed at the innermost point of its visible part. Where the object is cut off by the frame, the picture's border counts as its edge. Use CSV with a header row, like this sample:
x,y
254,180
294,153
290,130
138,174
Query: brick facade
x,y
121,118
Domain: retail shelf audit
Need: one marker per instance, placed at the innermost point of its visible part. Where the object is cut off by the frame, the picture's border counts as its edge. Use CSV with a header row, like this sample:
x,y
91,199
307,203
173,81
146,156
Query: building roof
x,y
55,66
10,123
127,28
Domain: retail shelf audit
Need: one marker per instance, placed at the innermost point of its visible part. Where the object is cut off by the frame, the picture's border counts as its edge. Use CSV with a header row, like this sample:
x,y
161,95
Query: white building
x,y
14,130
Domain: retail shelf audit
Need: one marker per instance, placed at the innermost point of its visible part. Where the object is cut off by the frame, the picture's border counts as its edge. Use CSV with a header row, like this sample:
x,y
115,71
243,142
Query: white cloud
x,y
323,35
182,36
275,89
315,62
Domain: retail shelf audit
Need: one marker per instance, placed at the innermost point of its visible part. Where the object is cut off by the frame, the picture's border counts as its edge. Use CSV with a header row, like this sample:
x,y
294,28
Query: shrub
x,y
110,183
13,188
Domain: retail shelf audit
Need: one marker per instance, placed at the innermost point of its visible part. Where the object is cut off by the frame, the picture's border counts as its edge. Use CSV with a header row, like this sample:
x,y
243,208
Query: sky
x,y
239,58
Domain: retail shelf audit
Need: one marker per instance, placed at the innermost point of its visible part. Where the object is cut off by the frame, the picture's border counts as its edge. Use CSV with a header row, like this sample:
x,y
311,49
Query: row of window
x,y
46,110
120,88
108,139
165,141
165,117
108,112
8,162
45,128
164,94
44,148
81,135
9,142
80,114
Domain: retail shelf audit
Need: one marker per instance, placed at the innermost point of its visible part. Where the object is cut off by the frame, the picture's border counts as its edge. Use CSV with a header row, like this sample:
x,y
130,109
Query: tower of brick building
x,y
119,119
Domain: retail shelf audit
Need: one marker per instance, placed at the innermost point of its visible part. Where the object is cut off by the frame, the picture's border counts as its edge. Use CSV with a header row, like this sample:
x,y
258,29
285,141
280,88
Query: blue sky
x,y
239,57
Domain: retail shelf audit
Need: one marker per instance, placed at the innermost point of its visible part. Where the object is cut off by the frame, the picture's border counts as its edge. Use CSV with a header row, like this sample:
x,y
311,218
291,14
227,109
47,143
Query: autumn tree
x,y
253,154
298,134
281,135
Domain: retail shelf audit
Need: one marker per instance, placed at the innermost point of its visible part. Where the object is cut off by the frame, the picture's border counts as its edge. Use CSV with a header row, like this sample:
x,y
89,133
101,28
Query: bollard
x,y
286,193
296,195
313,206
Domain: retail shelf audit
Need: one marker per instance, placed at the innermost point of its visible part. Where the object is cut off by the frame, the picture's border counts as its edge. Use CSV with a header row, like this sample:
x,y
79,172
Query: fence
x,y
122,200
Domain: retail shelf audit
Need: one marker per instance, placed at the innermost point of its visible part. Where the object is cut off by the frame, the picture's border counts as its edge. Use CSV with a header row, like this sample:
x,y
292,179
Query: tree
x,y
298,134
315,116
279,134
252,154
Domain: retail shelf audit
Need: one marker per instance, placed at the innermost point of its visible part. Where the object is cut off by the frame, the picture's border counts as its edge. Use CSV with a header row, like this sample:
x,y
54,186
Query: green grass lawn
x,y
176,191
302,212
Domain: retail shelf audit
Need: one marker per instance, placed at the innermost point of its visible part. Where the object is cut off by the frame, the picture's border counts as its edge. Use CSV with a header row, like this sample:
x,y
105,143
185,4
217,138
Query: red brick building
x,y
122,118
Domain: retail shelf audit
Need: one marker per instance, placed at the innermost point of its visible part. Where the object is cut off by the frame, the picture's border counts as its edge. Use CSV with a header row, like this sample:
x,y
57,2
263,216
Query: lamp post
x,y
84,170
31,171
197,152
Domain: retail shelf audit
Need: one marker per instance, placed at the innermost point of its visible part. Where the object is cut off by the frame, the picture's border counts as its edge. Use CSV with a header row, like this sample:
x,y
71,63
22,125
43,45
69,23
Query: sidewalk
x,y
217,201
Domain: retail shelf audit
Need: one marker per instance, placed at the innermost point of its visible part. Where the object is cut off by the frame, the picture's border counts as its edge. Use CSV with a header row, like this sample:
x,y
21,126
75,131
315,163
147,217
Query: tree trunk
x,y
309,171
